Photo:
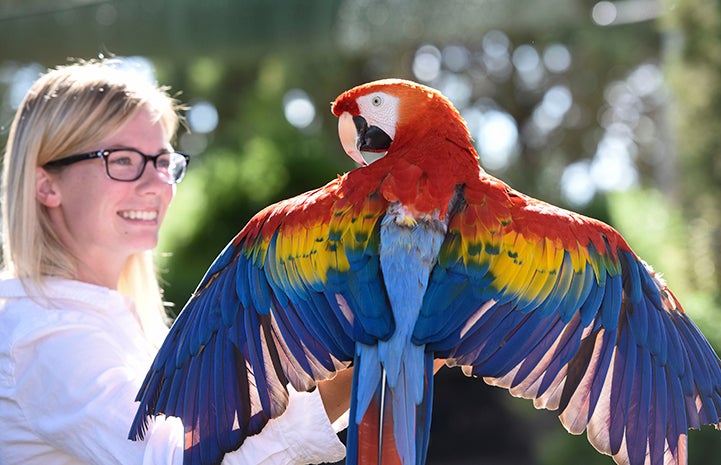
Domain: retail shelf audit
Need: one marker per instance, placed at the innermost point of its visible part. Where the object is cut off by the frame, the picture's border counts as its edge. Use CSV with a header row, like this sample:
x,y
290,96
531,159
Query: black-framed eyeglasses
x,y
128,165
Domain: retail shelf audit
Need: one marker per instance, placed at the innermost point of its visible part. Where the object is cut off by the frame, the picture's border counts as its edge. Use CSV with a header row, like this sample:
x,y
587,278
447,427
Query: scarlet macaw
x,y
418,256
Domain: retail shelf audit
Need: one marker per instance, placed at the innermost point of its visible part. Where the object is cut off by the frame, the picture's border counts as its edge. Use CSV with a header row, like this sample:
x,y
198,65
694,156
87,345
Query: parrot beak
x,y
358,139
348,136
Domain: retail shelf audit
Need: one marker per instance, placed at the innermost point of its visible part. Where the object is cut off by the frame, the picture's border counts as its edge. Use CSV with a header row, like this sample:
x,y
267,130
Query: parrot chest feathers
x,y
421,200
409,217
416,231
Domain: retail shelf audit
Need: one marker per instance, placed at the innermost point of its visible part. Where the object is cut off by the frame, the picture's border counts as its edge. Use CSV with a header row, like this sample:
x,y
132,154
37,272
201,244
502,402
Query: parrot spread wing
x,y
285,301
555,307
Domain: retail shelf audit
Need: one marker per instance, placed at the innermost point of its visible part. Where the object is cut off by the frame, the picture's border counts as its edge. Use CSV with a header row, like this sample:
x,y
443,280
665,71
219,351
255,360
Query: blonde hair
x,y
67,110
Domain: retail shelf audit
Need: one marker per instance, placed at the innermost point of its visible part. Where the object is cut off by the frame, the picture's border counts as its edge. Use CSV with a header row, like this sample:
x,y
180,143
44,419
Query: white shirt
x,y
69,374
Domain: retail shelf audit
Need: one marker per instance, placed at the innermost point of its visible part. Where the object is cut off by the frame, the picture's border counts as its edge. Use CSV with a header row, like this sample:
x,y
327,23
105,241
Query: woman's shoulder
x,y
79,325
34,311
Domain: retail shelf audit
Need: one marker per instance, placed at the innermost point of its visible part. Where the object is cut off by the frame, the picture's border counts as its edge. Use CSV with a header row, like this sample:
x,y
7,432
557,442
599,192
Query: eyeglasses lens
x,y
128,165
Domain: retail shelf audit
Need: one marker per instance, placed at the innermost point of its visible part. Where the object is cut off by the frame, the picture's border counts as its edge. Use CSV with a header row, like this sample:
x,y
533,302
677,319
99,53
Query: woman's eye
x,y
123,158
122,161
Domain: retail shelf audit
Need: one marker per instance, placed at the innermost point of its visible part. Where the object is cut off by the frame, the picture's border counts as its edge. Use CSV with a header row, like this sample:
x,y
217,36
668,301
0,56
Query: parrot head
x,y
373,118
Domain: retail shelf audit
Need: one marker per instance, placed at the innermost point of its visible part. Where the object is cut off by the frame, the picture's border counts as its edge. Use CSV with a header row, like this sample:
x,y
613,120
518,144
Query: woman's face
x,y
103,221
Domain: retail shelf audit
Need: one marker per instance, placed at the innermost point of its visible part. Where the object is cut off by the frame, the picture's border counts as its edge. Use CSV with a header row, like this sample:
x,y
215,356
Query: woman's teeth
x,y
139,215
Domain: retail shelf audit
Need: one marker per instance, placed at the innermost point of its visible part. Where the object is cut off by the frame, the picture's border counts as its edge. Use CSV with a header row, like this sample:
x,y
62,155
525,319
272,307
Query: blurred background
x,y
611,109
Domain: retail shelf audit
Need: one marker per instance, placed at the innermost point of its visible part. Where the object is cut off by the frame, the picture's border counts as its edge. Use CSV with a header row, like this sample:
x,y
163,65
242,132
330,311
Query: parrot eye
x,y
377,100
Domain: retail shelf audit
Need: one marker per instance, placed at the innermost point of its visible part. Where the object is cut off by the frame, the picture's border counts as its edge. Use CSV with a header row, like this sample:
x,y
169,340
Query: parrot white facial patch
x,y
380,109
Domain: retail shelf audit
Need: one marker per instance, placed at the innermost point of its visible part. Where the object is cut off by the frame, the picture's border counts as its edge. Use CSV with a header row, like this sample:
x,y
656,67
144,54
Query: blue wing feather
x,y
567,348
189,401
225,393
639,408
206,396
657,344
611,302
678,421
597,372
519,343
659,406
590,306
228,298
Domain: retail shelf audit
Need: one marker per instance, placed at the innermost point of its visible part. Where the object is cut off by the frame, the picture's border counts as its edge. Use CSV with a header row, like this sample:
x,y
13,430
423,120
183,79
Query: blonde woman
x,y
89,172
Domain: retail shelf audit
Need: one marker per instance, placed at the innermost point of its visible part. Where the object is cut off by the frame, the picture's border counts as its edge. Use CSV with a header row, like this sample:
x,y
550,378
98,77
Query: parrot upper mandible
x,y
422,256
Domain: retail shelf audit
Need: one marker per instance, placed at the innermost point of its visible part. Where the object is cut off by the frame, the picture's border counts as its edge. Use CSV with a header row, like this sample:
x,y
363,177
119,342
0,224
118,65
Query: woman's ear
x,y
46,190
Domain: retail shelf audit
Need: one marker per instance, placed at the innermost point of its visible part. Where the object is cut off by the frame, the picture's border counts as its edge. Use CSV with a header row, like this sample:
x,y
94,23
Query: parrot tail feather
x,y
387,429
371,439
376,440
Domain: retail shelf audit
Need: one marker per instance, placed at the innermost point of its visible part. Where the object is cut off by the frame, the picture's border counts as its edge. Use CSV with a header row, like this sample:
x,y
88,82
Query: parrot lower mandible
x,y
422,256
